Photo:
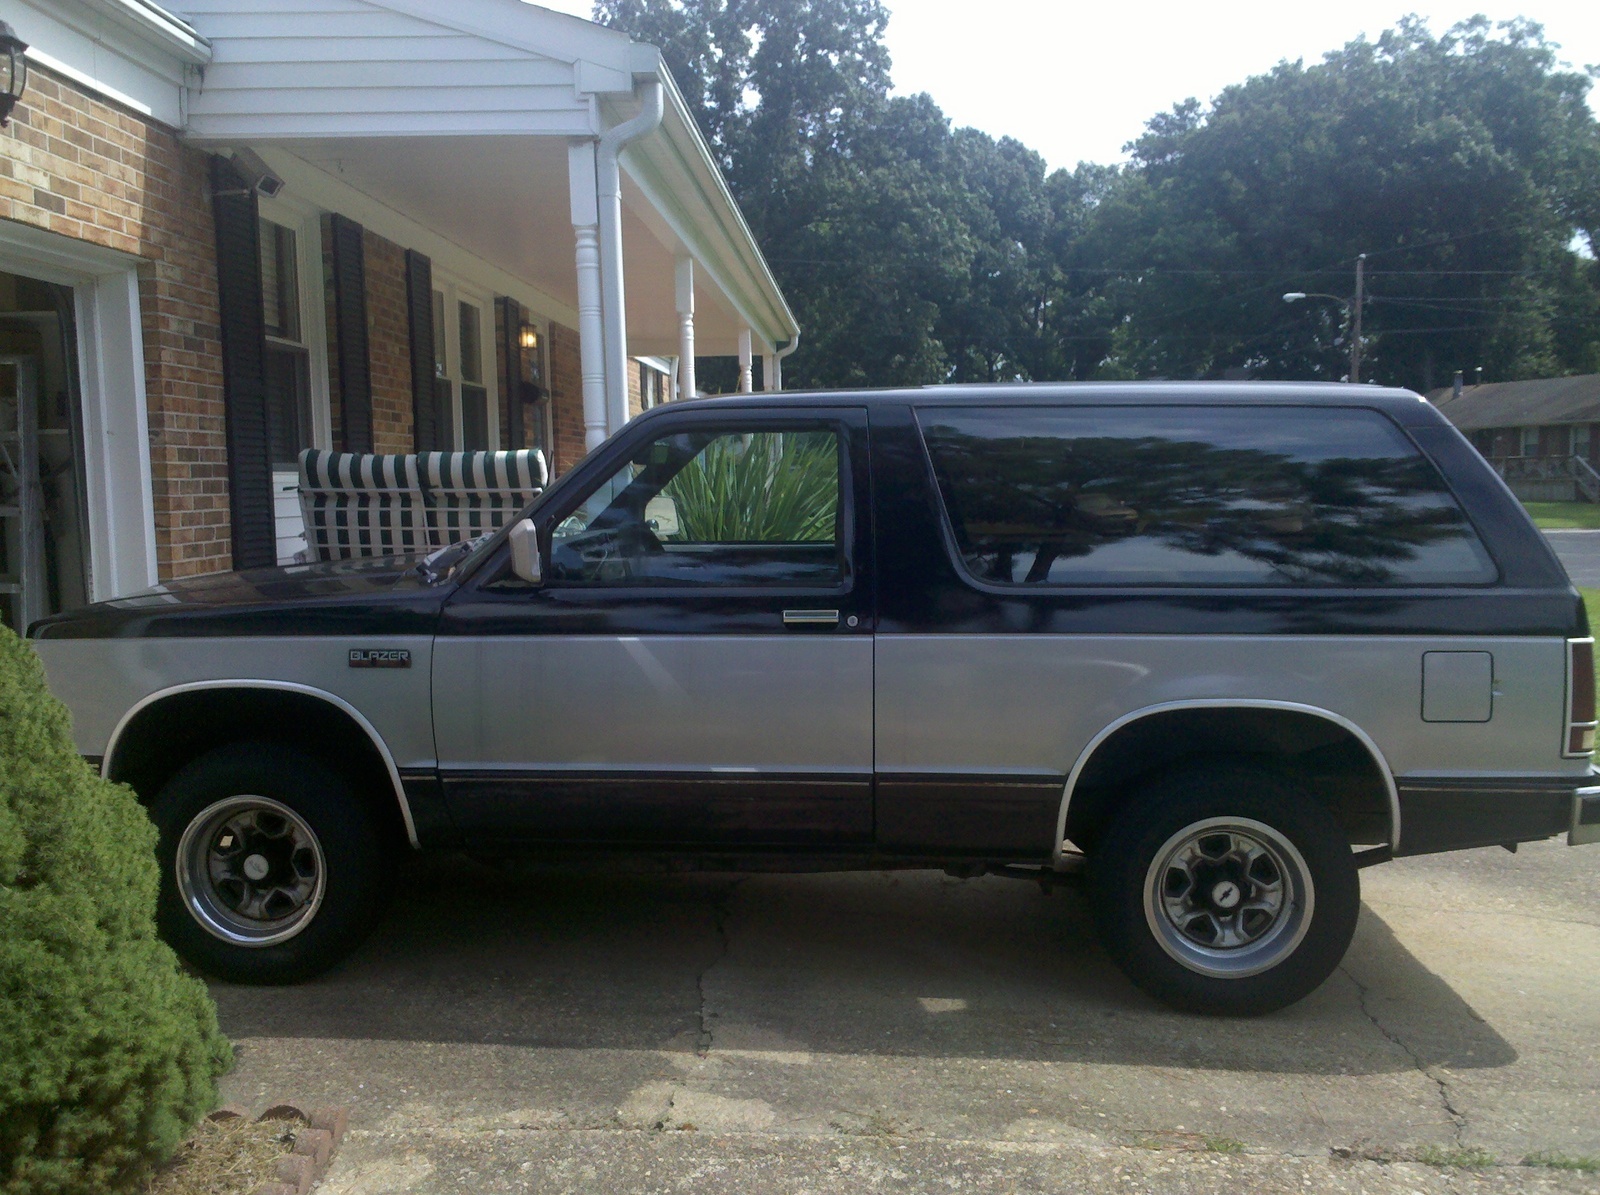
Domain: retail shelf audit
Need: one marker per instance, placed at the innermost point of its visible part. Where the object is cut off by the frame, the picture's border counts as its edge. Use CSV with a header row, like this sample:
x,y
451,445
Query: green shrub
x,y
108,1052
769,487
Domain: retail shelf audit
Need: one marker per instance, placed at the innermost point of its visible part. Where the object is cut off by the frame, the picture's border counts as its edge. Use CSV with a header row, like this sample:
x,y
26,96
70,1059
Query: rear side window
x,y
1196,496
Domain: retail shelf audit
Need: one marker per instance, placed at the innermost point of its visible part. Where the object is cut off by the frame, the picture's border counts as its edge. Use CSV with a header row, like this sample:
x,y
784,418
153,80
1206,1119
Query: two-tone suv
x,y
1217,646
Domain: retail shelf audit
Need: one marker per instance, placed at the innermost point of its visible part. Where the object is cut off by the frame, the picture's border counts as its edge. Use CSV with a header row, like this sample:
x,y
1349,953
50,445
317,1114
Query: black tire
x,y
271,809
1160,887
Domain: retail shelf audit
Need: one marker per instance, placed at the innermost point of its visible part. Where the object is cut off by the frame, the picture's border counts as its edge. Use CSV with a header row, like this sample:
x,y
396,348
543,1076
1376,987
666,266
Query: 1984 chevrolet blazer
x,y
1216,646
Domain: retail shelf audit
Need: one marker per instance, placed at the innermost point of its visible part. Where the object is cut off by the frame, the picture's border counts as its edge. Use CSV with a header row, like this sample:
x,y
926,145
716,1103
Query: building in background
x,y
240,228
1542,436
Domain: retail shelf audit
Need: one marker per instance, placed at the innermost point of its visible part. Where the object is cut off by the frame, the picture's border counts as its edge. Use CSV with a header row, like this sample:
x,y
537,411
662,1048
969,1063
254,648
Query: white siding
x,y
341,68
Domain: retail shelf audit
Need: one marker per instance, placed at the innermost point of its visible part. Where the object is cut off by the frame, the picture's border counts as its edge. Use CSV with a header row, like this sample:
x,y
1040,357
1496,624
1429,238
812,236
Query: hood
x,y
381,595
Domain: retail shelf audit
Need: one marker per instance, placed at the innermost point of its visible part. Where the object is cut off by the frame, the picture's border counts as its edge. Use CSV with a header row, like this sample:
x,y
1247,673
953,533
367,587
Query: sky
x,y
1076,81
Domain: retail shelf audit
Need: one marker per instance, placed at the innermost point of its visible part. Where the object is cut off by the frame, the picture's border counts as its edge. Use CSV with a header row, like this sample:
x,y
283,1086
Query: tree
x,y
1462,165
870,211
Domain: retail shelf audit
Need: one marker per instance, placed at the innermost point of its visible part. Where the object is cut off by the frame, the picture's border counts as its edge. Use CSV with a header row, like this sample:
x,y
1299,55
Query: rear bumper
x,y
1452,814
1585,817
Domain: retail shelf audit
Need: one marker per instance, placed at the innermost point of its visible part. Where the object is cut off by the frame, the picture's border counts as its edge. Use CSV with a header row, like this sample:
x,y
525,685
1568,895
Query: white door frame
x,y
116,427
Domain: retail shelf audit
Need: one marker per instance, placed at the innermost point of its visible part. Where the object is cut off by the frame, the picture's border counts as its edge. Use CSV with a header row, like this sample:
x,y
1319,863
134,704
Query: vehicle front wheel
x,y
270,864
1225,889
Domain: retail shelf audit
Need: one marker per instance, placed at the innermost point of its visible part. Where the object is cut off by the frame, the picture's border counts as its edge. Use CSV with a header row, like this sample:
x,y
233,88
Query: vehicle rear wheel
x,y
270,864
1225,889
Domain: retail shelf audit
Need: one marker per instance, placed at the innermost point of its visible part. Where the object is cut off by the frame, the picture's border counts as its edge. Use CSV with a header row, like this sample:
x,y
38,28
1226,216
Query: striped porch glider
x,y
365,504
469,493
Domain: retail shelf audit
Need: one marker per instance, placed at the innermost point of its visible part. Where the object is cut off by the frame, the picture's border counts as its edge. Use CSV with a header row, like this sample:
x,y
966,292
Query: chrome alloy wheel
x,y
1229,897
250,870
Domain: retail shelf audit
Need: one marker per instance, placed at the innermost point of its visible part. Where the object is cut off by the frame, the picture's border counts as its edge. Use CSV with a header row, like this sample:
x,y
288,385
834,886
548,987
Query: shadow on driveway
x,y
904,964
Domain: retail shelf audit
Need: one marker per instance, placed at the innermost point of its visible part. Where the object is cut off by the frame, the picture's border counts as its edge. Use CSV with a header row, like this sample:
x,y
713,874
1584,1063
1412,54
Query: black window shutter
x,y
511,353
350,320
244,348
419,314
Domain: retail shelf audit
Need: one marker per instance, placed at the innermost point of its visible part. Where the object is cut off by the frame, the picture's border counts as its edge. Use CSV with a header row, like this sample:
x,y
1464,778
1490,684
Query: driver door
x,y
695,668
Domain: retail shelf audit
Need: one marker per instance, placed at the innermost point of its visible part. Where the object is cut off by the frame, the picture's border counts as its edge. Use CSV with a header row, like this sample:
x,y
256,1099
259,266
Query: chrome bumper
x,y
1585,817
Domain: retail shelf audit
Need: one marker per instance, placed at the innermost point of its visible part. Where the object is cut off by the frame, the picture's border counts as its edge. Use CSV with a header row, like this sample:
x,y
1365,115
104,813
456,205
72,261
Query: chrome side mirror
x,y
525,552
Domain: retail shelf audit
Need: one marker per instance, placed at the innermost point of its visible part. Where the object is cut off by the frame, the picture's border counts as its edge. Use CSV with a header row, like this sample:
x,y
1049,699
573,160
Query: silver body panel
x,y
766,703
906,704
102,681
971,704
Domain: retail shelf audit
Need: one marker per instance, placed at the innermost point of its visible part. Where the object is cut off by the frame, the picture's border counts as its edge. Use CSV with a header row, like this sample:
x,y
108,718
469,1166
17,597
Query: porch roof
x,y
457,117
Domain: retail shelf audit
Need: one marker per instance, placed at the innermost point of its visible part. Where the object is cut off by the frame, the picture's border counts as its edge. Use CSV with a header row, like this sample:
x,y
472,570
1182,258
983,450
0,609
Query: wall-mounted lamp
x,y
528,338
13,71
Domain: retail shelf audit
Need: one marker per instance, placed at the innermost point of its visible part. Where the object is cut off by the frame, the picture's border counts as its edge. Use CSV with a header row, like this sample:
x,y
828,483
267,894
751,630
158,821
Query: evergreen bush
x,y
108,1052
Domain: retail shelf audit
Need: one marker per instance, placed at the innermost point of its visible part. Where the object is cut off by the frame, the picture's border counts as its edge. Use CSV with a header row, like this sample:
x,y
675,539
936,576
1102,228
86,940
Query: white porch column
x,y
745,382
684,280
591,325
769,371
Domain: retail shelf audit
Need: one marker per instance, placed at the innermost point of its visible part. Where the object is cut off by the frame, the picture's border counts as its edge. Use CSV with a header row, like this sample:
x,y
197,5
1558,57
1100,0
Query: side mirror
x,y
525,552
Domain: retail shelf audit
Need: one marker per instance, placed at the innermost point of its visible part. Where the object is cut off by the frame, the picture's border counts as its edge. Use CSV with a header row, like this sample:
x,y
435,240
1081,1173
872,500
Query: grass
x,y
1467,1158
1551,1160
1565,516
232,1157
1591,603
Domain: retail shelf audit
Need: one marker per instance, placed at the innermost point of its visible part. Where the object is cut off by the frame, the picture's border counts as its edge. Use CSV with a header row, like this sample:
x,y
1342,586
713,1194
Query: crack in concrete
x,y
720,912
1458,1118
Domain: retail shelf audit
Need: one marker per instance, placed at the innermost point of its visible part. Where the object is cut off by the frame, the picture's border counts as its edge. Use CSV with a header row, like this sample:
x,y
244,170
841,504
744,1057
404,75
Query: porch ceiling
x,y
504,199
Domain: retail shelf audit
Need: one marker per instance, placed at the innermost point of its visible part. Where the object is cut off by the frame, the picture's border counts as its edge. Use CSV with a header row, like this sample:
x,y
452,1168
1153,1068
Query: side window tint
x,y
1196,496
718,507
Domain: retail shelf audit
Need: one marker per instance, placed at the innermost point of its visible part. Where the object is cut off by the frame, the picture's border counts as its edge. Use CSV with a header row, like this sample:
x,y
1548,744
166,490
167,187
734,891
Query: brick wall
x,y
566,399
79,166
388,344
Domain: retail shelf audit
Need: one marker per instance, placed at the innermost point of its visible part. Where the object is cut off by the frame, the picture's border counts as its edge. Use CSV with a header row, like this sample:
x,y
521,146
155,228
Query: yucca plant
x,y
767,487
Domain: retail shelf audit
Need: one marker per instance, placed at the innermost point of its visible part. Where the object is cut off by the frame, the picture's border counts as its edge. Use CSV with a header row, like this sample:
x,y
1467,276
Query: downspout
x,y
608,188
777,357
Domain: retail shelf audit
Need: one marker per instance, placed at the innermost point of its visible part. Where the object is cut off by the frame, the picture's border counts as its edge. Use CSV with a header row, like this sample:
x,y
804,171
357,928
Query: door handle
x,y
810,618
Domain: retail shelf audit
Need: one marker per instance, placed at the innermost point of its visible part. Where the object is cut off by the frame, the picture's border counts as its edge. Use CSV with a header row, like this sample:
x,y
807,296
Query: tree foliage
x,y
108,1051
1465,165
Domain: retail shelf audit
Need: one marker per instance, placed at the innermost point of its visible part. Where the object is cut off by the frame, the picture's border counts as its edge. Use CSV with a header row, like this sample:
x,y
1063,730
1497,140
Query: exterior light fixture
x,y
528,338
13,71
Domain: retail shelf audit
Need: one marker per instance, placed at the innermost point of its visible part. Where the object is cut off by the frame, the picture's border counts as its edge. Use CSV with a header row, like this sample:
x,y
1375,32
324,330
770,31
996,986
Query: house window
x,y
652,386
474,395
287,365
1579,442
464,396
1530,441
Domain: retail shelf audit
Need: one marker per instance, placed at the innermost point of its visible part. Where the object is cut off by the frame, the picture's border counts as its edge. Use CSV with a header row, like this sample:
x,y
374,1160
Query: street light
x,y
1352,311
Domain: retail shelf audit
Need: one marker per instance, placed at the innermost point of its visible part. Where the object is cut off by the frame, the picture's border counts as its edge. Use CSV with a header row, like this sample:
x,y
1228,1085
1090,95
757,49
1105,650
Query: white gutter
x,y
608,190
155,25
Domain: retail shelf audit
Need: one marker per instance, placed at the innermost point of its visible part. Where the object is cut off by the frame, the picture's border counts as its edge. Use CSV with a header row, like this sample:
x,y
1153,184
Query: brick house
x,y
1542,435
249,227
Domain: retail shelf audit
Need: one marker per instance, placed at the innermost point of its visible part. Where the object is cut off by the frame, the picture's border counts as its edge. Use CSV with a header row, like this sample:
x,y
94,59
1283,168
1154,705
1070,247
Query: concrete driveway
x,y
908,1031
1580,553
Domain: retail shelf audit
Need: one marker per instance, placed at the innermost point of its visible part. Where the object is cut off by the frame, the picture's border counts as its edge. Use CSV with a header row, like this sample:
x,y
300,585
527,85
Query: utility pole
x,y
1355,320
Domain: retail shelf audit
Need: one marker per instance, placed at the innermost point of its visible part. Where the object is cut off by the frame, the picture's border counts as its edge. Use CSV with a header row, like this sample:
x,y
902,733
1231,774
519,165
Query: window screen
x,y
1196,496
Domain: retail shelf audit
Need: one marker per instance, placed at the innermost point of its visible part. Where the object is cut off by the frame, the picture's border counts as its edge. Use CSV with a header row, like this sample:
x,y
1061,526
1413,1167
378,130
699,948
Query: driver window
x,y
711,507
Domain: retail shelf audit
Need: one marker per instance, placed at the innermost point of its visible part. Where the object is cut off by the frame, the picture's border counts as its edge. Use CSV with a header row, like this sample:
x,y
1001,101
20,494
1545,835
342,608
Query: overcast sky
x,y
1076,81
